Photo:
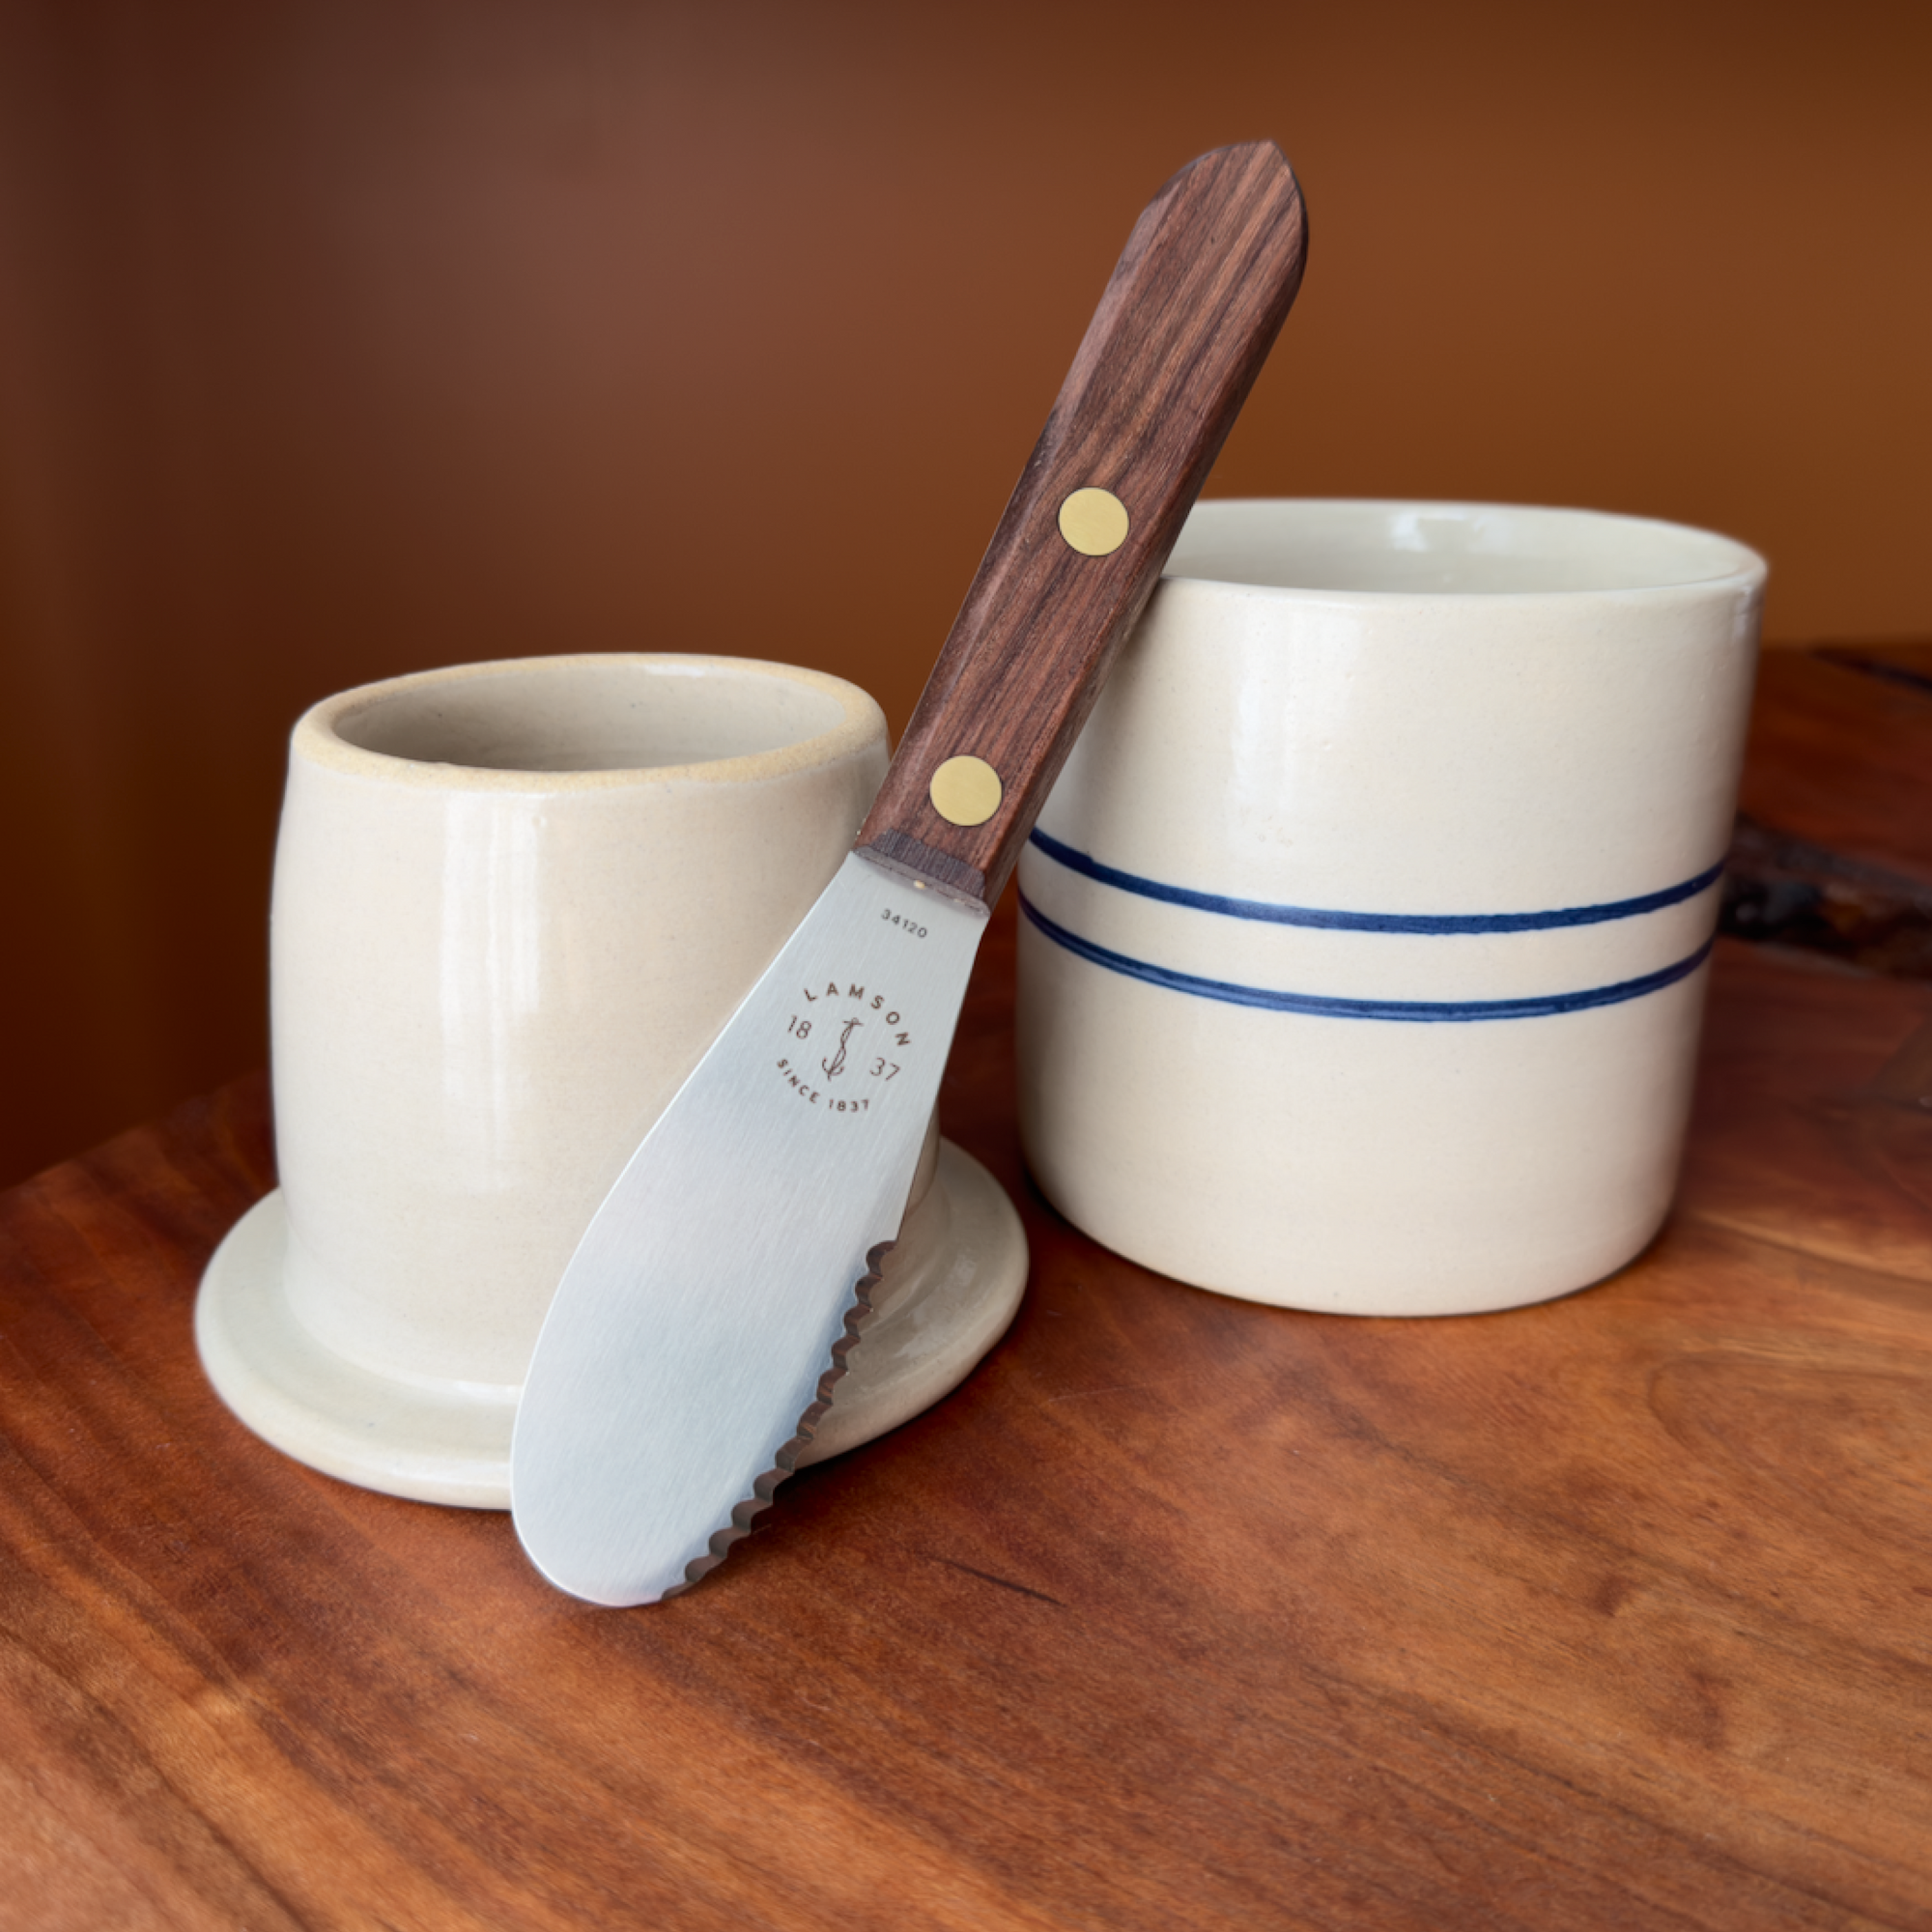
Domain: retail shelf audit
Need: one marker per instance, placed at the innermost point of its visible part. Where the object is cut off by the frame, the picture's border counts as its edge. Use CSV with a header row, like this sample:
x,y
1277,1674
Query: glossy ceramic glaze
x,y
513,905
1362,955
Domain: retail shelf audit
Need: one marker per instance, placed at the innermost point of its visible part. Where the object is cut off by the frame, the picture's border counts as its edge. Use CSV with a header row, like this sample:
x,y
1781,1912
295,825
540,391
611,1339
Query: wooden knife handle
x,y
1186,322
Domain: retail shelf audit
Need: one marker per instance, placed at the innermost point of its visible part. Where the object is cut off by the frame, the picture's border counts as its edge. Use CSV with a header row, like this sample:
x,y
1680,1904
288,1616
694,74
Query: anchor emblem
x,y
835,1066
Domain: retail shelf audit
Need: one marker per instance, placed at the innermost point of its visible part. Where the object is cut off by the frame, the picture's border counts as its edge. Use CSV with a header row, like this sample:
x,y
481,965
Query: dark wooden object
x,y
1834,847
1185,323
1798,894
1615,1612
1838,755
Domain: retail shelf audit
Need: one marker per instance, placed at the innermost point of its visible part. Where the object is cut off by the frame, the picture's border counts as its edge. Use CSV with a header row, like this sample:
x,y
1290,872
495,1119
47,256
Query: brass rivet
x,y
1094,521
965,791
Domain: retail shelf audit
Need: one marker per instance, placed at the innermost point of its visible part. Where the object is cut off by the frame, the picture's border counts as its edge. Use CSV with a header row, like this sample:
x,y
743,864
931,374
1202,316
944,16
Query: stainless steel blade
x,y
647,1421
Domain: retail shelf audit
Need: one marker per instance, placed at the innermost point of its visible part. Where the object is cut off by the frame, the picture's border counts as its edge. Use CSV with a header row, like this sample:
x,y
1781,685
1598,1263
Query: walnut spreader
x,y
699,1332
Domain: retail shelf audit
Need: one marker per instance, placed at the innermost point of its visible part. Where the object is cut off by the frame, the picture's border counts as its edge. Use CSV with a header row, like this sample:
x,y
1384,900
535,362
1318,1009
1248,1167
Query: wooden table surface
x,y
1615,1611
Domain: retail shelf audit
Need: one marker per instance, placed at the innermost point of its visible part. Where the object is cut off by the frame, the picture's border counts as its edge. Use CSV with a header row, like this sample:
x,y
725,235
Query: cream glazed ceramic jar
x,y
1364,935
514,903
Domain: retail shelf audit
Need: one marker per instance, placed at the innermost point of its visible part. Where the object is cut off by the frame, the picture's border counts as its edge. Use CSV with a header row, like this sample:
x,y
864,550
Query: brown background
x,y
343,337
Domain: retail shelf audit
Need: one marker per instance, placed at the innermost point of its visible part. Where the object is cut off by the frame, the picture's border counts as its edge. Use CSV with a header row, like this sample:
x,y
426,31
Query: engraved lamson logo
x,y
847,1045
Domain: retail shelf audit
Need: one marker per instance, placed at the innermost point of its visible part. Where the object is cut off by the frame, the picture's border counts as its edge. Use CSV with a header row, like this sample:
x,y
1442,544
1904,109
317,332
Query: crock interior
x,y
578,716
1456,548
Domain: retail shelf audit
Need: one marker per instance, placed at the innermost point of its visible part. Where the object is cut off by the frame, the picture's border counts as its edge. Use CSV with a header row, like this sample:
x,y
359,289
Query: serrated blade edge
x,y
689,1338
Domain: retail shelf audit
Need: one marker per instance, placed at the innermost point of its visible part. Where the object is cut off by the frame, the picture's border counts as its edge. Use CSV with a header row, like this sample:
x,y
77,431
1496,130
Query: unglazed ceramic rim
x,y
318,738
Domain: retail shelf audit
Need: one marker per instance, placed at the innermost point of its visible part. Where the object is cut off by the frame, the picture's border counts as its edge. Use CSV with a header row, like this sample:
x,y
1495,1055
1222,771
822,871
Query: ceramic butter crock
x,y
1365,934
513,905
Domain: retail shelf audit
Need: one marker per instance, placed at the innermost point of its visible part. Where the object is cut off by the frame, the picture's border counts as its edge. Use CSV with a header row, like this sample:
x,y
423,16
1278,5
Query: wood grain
x,y
1184,327
1615,1612
1840,754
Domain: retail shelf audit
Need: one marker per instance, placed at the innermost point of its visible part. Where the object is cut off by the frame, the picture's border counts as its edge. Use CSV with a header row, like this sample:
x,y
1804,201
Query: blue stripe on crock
x,y
1532,1006
1371,922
